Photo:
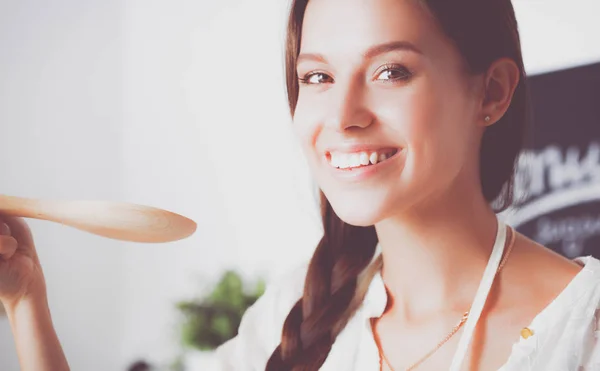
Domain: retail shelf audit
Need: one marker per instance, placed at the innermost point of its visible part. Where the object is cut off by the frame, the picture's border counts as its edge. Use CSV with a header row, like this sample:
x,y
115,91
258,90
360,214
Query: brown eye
x,y
393,73
315,78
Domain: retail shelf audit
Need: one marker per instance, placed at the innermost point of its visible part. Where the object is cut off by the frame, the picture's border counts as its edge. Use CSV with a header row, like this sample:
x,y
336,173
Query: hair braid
x,y
327,303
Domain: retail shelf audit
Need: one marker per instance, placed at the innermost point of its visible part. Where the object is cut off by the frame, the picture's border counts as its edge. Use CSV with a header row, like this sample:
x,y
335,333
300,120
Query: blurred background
x,y
181,105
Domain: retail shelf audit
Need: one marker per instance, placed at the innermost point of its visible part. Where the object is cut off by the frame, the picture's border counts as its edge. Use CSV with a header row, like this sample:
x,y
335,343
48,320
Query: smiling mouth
x,y
356,160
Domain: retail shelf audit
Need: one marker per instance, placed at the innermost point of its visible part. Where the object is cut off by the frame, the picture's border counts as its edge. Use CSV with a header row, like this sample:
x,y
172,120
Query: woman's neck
x,y
433,260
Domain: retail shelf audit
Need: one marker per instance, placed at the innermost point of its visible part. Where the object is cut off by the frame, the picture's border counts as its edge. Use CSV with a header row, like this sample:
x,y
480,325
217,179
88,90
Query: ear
x,y
501,80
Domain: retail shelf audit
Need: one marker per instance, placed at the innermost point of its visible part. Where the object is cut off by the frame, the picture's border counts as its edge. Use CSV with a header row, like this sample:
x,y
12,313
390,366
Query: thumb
x,y
20,231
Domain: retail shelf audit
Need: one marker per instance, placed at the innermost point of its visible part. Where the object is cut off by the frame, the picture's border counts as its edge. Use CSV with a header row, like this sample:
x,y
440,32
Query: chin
x,y
360,213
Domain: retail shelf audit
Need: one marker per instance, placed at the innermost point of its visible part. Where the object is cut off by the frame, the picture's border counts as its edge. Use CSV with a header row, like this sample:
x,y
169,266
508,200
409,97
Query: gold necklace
x,y
456,327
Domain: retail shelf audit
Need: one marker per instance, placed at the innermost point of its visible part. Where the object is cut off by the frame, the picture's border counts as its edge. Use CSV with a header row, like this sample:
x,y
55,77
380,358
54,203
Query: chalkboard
x,y
558,176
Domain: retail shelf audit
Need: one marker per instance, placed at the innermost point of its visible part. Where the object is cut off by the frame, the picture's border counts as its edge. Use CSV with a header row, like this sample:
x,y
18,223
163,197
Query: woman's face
x,y
386,113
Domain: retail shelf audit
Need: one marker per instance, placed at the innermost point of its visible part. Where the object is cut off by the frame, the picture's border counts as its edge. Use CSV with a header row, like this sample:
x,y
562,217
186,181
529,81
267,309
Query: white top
x,y
565,335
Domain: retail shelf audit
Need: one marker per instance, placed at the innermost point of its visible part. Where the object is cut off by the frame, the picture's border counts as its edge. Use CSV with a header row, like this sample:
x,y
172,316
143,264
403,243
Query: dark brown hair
x,y
482,31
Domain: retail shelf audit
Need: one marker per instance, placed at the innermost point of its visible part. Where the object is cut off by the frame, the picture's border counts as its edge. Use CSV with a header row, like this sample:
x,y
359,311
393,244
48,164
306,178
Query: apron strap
x,y
480,297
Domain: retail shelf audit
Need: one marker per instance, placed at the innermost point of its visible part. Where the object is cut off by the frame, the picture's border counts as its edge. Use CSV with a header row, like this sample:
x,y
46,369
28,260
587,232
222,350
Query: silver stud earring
x,y
487,118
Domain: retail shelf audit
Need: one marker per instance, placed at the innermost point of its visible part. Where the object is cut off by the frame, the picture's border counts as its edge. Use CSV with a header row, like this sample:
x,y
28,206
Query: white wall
x,y
61,104
558,34
179,105
207,134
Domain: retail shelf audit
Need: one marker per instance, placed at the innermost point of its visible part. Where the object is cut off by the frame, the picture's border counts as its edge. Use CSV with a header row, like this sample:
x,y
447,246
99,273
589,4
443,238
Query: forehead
x,y
348,27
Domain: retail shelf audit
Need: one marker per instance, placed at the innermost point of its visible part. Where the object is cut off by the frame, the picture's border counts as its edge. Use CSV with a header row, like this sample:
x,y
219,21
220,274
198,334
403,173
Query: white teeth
x,y
364,158
350,160
373,158
343,162
334,161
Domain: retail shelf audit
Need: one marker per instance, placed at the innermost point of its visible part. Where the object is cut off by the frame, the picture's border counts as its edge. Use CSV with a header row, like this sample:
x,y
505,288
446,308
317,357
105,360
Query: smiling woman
x,y
411,114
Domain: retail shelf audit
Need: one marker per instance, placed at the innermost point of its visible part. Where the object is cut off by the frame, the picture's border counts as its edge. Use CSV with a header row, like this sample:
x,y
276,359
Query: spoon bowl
x,y
116,220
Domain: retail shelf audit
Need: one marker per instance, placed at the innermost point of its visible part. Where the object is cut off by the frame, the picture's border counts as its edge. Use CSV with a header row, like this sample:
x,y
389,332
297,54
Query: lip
x,y
354,148
362,173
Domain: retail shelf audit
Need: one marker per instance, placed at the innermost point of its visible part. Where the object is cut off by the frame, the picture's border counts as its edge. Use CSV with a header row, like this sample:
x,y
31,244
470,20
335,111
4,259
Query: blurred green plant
x,y
211,321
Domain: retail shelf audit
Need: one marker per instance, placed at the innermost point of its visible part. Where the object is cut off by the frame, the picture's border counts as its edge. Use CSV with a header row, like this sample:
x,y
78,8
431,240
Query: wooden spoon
x,y
117,220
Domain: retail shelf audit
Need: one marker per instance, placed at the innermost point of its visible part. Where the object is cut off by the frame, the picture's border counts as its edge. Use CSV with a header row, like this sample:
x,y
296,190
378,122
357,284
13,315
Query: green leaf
x,y
215,319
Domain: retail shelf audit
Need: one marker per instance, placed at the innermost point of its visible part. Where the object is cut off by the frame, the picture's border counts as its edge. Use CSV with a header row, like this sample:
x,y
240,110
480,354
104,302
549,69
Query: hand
x,y
20,270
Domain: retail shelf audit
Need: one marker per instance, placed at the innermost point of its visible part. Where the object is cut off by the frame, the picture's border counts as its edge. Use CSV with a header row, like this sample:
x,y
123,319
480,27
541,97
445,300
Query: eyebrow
x,y
372,52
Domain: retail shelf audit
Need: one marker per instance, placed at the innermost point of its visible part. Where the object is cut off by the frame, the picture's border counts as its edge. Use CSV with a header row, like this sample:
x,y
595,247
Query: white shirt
x,y
566,332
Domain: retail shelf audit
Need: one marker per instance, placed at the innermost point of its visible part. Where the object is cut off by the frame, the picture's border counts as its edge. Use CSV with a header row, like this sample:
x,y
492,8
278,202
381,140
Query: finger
x,y
8,244
20,231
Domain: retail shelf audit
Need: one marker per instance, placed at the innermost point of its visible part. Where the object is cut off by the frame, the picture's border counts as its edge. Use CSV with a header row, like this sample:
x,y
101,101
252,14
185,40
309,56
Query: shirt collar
x,y
376,298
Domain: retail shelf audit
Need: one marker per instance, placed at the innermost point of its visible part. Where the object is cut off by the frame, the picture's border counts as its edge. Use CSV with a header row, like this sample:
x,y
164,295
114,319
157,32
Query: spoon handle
x,y
116,220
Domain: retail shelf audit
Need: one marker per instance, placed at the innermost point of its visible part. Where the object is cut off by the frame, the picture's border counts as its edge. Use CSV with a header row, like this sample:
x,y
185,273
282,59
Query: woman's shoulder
x,y
570,287
282,292
580,283
583,290
565,334
259,332
575,321
539,276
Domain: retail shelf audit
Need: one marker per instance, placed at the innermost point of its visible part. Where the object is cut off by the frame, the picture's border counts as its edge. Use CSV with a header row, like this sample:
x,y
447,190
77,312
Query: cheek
x,y
308,118
412,114
306,129
428,119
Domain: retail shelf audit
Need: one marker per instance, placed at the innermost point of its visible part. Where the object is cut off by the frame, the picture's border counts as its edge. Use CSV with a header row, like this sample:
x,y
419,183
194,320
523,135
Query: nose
x,y
349,106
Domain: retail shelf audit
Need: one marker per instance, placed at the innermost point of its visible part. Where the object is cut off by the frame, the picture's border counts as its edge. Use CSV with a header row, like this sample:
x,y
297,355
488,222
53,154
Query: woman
x,y
411,114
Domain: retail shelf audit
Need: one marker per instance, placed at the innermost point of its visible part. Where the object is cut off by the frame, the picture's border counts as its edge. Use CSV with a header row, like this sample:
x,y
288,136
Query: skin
x,y
23,294
434,225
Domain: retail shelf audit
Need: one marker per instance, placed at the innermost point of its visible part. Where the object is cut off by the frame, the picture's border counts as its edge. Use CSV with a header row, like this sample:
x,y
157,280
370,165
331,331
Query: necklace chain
x,y
456,327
